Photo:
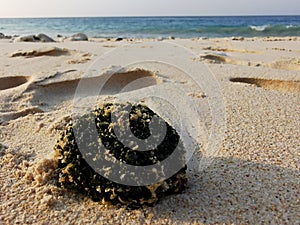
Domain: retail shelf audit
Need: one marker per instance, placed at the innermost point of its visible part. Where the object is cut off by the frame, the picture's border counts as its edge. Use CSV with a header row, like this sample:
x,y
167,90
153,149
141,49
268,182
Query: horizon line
x,y
122,16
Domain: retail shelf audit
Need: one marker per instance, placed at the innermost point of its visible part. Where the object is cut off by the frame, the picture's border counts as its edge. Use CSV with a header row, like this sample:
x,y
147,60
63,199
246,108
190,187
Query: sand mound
x,y
278,85
51,51
11,82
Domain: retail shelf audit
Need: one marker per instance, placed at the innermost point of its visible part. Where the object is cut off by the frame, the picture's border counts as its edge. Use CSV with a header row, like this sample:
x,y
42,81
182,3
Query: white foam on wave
x,y
289,26
260,28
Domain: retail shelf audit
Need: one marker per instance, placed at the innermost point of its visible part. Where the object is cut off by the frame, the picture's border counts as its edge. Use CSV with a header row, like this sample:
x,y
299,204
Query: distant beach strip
x,y
153,27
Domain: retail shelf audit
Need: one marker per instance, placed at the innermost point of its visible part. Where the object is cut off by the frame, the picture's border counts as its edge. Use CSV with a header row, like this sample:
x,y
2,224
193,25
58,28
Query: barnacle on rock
x,y
89,142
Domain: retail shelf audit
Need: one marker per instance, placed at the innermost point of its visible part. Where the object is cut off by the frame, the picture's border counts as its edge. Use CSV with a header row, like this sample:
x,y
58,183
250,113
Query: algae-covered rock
x,y
34,38
79,37
103,154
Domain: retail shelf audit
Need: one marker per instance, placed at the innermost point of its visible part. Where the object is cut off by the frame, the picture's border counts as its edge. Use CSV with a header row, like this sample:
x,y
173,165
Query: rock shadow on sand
x,y
278,85
235,191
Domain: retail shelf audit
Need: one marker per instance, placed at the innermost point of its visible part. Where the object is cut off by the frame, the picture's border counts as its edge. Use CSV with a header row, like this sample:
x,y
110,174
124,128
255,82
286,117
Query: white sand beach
x,y
254,177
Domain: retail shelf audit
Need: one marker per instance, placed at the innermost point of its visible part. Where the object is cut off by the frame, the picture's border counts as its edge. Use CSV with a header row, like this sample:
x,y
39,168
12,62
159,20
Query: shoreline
x,y
60,38
153,27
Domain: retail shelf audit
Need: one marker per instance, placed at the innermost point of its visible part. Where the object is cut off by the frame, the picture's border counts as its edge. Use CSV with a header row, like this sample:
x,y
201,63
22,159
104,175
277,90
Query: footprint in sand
x,y
221,58
77,56
278,85
48,95
289,64
219,49
12,82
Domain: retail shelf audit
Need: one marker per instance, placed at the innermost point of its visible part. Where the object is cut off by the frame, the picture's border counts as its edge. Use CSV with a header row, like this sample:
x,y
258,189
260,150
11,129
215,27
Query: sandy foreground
x,y
254,177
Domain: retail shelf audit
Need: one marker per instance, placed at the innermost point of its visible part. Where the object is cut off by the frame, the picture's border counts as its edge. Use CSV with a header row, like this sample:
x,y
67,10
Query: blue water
x,y
184,27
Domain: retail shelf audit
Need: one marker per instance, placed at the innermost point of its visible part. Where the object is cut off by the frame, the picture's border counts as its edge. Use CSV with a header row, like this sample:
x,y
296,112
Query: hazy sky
x,y
53,8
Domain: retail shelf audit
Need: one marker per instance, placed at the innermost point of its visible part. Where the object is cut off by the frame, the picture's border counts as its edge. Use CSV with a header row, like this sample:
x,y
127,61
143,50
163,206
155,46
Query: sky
x,y
74,8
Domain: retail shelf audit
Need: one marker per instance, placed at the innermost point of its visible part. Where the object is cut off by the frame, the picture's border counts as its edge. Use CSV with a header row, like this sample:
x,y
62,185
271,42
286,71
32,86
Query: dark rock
x,y
34,38
29,38
119,39
3,36
43,38
237,38
79,37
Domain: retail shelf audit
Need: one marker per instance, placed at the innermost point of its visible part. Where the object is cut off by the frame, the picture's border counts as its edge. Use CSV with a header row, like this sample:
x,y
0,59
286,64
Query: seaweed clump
x,y
88,148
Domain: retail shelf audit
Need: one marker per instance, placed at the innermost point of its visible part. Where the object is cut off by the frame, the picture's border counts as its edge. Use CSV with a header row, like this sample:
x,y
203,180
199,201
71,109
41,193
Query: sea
x,y
154,27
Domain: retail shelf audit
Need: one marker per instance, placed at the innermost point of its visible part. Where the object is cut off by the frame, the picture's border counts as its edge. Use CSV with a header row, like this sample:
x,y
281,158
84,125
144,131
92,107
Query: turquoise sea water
x,y
185,27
